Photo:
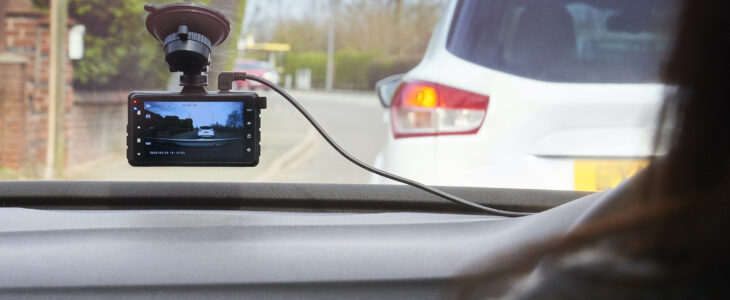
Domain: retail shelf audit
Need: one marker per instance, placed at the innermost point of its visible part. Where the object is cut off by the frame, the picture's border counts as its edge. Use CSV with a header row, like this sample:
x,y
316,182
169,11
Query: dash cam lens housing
x,y
188,32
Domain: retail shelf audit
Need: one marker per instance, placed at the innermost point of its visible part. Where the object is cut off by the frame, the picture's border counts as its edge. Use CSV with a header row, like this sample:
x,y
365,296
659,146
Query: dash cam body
x,y
177,129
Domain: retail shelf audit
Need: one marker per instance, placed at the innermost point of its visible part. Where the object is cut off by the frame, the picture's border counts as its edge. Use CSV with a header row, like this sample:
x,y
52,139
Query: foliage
x,y
235,33
384,66
374,38
353,69
307,34
8,174
234,119
391,27
224,55
119,53
316,61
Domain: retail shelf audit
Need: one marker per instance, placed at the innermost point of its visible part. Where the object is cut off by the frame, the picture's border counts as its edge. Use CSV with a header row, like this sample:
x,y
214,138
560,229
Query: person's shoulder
x,y
624,198
598,271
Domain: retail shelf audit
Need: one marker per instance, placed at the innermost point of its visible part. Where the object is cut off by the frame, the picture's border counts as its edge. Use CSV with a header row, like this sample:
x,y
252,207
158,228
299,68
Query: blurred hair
x,y
699,139
682,206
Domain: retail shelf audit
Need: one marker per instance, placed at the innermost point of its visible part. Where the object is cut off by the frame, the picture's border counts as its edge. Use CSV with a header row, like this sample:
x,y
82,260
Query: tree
x,y
391,27
375,39
235,119
120,54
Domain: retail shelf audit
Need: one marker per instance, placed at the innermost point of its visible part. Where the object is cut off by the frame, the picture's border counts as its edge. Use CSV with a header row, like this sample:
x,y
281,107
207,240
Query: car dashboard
x,y
181,240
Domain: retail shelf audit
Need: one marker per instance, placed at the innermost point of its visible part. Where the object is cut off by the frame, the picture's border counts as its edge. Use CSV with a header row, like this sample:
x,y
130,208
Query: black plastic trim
x,y
266,196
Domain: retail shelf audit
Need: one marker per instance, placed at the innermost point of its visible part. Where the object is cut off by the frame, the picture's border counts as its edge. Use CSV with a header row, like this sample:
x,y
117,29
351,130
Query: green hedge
x,y
353,70
317,61
385,66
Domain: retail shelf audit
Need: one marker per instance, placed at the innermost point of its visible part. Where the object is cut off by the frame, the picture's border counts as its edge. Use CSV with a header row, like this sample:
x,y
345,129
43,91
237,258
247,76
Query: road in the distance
x,y
353,119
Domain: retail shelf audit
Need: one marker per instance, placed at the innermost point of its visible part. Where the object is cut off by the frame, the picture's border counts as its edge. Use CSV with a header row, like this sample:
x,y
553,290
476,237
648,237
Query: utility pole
x,y
55,142
329,79
398,27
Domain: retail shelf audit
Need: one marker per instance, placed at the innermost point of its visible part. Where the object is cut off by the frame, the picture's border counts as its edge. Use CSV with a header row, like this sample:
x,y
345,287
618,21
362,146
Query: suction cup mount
x,y
188,32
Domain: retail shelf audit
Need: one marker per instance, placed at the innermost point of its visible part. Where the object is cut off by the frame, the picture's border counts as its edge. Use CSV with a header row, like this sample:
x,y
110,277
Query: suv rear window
x,y
601,41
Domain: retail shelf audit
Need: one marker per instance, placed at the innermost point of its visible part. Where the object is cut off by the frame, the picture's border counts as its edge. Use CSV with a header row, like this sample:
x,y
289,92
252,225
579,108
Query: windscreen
x,y
538,94
565,41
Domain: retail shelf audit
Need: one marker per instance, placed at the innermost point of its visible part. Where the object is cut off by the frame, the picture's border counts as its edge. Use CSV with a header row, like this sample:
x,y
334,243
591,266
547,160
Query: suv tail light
x,y
429,109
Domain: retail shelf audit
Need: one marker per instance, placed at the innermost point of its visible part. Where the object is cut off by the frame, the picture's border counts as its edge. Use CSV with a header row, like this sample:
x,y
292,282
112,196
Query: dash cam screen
x,y
191,130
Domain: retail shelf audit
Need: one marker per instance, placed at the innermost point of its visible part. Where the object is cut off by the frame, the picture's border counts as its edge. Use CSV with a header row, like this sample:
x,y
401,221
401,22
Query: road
x,y
291,150
354,120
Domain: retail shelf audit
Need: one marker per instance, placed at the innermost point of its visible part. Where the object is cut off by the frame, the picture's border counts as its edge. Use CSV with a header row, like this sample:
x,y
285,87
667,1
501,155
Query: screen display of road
x,y
192,130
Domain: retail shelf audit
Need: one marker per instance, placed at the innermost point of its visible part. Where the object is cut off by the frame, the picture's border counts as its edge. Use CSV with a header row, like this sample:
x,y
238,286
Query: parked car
x,y
559,95
206,132
258,68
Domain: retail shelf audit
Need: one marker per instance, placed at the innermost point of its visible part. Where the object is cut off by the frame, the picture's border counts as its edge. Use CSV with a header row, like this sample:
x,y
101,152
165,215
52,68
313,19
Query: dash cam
x,y
193,127
194,130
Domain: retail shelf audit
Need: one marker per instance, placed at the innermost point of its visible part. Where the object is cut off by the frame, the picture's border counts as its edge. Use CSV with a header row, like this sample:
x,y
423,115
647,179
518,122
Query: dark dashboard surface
x,y
314,252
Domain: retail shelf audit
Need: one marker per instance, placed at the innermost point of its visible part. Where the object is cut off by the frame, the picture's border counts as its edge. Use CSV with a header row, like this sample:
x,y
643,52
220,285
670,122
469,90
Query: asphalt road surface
x,y
291,149
354,120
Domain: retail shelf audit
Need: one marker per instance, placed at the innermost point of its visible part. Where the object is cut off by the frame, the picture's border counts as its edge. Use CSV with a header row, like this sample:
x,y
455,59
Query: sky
x,y
202,113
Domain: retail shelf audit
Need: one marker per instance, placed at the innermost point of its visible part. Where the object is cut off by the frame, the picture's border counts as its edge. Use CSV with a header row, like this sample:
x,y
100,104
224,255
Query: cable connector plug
x,y
226,79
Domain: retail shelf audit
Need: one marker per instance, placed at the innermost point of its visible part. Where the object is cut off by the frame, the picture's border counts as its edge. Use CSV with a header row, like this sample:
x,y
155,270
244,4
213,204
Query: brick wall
x,y
94,120
97,125
26,36
12,111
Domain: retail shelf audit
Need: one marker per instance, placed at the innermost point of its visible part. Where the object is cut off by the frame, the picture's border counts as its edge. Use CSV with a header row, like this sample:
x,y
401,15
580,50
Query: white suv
x,y
206,132
559,94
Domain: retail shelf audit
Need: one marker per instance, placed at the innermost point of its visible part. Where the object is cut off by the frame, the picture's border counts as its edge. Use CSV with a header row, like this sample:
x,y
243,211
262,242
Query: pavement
x,y
291,150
